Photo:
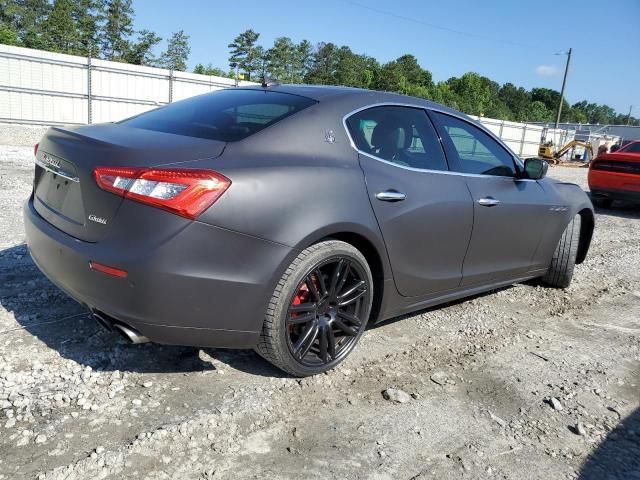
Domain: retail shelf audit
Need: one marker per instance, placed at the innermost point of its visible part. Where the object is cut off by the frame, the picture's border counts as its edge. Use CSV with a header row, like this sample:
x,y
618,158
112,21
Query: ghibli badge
x,y
50,161
95,218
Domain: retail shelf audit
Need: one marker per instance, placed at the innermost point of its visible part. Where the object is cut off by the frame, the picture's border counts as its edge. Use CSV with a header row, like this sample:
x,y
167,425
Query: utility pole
x,y
629,114
564,82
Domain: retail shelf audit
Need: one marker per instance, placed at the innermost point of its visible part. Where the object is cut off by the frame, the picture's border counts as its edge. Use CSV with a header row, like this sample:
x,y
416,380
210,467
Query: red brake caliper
x,y
301,297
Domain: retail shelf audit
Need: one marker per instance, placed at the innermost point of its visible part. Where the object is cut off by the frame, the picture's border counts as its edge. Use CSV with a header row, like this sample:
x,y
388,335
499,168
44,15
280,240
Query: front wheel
x,y
560,271
319,309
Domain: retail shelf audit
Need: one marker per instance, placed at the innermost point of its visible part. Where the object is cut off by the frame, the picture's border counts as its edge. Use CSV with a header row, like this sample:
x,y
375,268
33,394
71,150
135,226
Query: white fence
x,y
524,138
38,87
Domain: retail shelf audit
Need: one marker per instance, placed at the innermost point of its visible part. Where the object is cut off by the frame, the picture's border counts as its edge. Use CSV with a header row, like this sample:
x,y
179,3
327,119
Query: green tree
x,y
517,100
10,15
413,72
140,52
442,93
27,18
551,100
324,64
281,59
355,70
577,116
117,29
538,112
177,53
210,70
8,36
404,75
61,32
244,52
303,57
498,109
87,16
391,78
473,91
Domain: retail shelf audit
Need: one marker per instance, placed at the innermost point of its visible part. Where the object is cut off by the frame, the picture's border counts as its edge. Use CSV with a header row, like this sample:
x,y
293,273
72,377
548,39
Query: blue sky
x,y
508,41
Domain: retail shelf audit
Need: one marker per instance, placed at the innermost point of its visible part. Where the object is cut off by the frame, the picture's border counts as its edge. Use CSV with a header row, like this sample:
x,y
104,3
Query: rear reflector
x,y
113,271
35,149
184,192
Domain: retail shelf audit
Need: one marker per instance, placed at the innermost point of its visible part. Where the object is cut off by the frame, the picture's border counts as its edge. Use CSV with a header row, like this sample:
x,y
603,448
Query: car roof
x,y
324,93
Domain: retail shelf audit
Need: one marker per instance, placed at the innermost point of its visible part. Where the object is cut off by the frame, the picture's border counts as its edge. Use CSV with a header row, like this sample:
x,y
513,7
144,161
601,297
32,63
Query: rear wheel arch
x,y
362,238
374,259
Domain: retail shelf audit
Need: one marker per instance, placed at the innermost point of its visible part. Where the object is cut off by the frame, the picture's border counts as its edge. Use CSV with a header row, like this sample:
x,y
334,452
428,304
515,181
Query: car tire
x,y
309,280
600,202
560,271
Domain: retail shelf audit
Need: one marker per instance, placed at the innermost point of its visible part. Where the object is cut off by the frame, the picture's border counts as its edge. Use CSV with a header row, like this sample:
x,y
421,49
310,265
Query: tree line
x,y
471,93
104,29
101,28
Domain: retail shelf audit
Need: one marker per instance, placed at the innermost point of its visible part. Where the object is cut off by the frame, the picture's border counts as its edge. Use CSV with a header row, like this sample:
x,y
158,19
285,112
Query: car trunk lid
x,y
65,190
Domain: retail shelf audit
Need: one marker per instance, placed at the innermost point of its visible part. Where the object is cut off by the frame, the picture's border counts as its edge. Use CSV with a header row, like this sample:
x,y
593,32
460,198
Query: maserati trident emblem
x,y
329,136
97,219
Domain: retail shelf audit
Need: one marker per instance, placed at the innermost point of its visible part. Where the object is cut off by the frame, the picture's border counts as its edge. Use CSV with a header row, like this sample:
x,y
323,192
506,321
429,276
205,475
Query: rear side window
x,y
475,151
400,135
227,115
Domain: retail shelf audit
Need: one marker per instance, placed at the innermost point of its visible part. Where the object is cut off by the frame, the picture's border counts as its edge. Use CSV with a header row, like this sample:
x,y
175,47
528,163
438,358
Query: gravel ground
x,y
525,382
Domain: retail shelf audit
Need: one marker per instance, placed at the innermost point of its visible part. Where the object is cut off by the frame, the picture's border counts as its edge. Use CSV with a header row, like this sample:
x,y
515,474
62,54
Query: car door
x,y
510,213
424,212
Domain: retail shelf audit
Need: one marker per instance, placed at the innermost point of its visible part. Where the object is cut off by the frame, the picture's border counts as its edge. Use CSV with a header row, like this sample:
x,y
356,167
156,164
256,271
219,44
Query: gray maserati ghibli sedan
x,y
288,218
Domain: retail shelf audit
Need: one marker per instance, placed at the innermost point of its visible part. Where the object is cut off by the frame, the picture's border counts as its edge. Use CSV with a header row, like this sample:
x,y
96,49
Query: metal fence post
x,y
171,86
524,133
89,109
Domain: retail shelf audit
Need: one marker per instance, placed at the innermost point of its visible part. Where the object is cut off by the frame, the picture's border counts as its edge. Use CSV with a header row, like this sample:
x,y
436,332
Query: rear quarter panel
x,y
295,183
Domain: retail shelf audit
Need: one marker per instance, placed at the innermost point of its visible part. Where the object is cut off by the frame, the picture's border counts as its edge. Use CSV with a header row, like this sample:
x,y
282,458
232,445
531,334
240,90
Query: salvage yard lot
x,y
525,382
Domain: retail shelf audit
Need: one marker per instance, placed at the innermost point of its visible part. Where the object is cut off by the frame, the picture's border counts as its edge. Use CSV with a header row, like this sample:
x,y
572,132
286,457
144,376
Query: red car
x,y
616,176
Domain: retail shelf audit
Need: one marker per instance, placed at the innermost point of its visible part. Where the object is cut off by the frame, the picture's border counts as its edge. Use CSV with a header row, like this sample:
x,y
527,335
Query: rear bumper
x,y
200,286
614,194
615,185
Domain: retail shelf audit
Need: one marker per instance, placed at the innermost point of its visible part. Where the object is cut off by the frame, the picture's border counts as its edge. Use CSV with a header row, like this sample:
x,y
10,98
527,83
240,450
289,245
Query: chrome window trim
x,y
60,173
413,169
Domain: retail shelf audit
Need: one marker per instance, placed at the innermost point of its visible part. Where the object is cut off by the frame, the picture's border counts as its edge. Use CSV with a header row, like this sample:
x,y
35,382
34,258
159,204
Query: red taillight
x,y
184,192
113,271
35,149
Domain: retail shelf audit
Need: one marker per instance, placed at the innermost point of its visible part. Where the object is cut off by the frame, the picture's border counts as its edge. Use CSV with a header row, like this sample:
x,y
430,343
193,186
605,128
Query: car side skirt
x,y
402,305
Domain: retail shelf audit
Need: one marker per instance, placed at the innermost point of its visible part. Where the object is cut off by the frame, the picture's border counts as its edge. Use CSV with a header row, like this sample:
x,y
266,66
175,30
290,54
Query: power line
x,y
436,26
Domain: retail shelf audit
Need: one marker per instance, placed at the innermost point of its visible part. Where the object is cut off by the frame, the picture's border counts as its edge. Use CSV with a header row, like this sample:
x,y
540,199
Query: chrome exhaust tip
x,y
106,324
130,334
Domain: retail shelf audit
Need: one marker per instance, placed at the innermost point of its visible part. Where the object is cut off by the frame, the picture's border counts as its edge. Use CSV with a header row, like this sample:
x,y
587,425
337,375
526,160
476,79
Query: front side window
x,y
227,115
400,135
474,150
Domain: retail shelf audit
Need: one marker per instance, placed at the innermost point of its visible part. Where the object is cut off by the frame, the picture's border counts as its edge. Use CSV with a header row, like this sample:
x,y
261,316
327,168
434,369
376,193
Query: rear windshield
x,y
227,115
631,148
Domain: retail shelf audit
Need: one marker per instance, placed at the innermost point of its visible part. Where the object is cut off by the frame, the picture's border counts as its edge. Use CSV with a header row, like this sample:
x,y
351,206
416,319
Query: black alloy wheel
x,y
319,309
324,316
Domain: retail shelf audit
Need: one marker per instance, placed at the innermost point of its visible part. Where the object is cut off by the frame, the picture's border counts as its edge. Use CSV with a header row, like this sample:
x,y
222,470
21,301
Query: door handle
x,y
391,196
488,202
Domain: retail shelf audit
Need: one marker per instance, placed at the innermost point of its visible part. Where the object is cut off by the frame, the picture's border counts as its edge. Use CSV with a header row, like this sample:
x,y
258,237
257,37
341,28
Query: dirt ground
x,y
525,382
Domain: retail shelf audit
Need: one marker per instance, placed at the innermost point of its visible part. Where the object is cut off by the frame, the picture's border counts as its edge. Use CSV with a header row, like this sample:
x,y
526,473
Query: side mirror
x,y
535,168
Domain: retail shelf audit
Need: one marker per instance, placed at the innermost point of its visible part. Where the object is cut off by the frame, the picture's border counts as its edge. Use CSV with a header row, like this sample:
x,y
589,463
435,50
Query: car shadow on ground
x,y
65,326
622,210
619,208
618,456
440,306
